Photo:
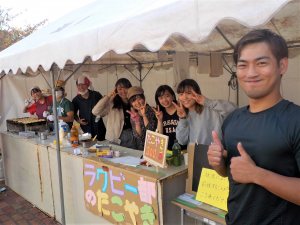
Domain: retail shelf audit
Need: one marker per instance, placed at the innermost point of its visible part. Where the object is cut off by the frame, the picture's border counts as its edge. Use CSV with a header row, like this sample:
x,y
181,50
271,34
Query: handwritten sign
x,y
155,148
120,196
213,189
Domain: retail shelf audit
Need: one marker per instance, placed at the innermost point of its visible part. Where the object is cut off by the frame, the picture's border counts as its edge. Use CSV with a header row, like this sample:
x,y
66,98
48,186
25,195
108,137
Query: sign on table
x,y
155,148
119,195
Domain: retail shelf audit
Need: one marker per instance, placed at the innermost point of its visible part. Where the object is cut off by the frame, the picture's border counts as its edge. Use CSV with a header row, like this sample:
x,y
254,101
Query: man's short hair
x,y
277,43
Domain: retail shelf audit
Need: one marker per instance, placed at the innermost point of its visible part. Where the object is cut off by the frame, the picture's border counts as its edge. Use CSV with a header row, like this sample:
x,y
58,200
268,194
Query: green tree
x,y
9,34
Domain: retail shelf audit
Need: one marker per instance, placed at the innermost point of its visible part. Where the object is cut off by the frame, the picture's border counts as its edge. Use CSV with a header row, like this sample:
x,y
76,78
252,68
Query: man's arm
x,y
69,118
244,170
287,188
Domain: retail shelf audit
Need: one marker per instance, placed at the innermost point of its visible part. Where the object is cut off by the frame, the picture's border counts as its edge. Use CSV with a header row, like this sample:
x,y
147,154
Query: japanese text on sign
x,y
213,189
119,196
155,148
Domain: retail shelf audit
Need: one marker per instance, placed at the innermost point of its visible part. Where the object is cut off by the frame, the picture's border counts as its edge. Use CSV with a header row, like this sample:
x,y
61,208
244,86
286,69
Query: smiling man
x,y
83,103
261,142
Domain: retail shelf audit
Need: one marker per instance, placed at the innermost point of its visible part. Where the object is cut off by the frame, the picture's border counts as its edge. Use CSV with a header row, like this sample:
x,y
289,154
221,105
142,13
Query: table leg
x,y
181,216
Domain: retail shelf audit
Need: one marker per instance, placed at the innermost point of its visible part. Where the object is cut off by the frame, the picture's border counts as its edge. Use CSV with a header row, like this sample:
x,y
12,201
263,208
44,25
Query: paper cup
x,y
185,156
117,153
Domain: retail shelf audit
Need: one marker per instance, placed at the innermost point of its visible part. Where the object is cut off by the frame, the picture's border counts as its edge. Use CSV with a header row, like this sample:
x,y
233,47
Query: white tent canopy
x,y
103,32
103,28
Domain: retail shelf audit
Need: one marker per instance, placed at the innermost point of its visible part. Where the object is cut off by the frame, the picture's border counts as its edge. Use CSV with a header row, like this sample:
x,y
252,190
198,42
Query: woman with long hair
x,y
166,113
198,115
115,107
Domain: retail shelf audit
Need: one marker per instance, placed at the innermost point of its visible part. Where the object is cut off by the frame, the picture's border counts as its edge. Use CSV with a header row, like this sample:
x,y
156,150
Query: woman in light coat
x,y
115,107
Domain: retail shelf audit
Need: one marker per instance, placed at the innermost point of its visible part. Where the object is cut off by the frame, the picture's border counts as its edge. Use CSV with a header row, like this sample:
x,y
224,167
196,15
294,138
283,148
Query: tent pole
x,y
53,72
140,67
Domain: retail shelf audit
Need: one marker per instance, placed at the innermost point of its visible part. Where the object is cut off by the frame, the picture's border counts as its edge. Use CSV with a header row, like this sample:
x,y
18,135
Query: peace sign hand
x,y
158,113
143,109
180,110
134,115
200,99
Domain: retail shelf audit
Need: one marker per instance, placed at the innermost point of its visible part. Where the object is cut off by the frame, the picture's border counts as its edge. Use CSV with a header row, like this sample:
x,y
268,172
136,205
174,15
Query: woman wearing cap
x,y
83,103
142,116
115,107
198,115
41,105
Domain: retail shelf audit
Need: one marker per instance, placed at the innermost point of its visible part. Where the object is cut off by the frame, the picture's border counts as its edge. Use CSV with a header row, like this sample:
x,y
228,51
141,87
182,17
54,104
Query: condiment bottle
x,y
176,150
74,139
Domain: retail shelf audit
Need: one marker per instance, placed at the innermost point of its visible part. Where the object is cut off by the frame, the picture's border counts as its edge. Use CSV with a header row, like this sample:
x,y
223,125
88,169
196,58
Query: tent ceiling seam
x,y
224,37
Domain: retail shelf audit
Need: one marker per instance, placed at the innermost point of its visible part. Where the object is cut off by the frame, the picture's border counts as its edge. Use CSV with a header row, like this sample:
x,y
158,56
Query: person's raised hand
x,y
180,110
28,102
133,115
242,167
158,113
112,94
216,152
143,109
200,99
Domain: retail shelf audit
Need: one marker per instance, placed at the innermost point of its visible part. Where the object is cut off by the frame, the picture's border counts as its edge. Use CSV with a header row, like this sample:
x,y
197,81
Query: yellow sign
x,y
213,189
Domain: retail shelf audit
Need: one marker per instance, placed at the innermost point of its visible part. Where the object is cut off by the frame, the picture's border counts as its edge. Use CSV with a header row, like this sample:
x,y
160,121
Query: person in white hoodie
x,y
114,106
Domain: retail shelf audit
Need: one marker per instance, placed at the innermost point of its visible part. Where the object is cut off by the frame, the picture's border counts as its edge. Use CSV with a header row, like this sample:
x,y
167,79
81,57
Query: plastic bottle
x,y
64,125
61,131
74,139
176,150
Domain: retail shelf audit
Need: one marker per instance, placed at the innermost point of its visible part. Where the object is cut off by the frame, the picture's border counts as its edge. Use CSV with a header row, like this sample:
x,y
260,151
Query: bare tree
x,y
9,34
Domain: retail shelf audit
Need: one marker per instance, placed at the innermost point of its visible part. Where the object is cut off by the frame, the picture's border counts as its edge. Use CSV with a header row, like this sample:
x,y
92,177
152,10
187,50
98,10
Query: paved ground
x,y
15,210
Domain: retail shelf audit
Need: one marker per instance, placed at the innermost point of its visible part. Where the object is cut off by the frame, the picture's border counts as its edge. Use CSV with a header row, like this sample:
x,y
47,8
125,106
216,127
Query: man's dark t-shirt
x,y
272,140
84,107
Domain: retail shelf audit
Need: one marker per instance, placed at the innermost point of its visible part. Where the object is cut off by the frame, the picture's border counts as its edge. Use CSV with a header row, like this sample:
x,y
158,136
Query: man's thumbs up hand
x,y
242,167
215,152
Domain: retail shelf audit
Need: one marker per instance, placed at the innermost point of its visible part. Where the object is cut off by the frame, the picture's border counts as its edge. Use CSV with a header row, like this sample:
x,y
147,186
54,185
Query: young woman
x,y
166,113
41,105
115,107
198,115
142,116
